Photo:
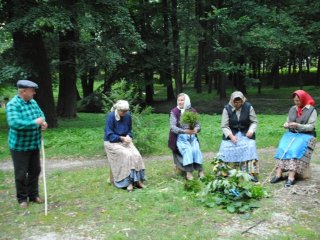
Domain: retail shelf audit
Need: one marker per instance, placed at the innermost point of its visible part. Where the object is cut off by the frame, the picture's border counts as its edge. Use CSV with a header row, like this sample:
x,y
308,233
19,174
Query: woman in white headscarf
x,y
183,141
126,164
238,147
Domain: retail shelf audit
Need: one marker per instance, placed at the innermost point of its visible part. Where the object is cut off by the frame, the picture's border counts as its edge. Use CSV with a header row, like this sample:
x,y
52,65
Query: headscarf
x,y
120,105
234,95
305,99
187,103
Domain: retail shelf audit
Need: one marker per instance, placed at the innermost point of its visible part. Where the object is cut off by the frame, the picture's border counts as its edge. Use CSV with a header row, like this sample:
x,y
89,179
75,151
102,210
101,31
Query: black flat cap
x,y
26,84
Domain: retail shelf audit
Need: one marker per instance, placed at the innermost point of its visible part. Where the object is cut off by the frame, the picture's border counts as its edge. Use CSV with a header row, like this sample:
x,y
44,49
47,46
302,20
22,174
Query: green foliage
x,y
190,118
194,185
94,103
231,189
125,91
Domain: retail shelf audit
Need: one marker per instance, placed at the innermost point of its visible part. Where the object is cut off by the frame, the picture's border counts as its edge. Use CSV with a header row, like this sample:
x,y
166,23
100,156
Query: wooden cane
x,y
44,177
269,176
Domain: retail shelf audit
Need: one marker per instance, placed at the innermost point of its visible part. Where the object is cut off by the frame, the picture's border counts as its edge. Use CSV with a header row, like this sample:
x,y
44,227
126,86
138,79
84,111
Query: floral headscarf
x,y
234,95
305,99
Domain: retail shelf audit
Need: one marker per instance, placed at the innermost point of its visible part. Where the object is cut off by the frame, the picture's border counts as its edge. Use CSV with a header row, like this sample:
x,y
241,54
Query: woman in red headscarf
x,y
297,144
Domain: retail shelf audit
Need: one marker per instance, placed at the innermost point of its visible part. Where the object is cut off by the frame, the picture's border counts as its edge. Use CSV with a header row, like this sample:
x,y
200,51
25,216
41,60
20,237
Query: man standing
x,y
25,120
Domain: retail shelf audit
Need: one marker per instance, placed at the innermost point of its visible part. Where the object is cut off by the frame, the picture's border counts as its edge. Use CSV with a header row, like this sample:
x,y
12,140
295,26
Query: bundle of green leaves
x,y
190,118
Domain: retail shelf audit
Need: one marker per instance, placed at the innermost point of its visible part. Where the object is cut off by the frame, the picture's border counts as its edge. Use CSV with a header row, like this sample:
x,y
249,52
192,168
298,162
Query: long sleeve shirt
x,y
24,133
225,121
114,129
311,123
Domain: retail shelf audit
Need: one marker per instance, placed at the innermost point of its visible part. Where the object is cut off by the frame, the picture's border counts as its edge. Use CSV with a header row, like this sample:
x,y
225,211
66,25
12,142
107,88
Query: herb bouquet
x,y
190,118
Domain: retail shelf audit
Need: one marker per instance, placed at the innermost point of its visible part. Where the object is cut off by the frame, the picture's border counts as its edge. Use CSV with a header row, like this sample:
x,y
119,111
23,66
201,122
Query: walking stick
x,y
44,177
289,145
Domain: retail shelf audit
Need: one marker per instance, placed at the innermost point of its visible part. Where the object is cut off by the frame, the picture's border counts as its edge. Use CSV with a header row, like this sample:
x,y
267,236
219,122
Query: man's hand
x,y
39,121
44,126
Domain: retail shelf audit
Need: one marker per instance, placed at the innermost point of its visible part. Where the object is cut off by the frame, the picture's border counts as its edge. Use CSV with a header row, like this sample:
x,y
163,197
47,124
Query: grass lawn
x,y
83,205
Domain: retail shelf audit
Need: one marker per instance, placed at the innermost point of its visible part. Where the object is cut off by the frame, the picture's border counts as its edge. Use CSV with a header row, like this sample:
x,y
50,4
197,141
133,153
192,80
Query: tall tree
x,y
165,72
176,47
67,99
31,53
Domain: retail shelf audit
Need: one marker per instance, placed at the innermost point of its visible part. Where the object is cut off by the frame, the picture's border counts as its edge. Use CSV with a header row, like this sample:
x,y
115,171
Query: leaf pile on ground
x,y
231,189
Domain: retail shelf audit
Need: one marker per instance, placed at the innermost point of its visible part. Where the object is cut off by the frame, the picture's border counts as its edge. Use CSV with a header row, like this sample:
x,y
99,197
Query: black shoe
x,y
289,183
254,179
276,179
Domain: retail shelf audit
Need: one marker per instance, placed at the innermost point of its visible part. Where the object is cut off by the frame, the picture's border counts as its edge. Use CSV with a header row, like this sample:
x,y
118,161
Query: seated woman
x,y
126,164
183,141
238,147
297,144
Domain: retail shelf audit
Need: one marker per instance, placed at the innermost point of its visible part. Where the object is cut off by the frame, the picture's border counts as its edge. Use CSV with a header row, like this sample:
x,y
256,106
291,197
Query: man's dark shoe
x,y
276,179
37,200
289,183
23,204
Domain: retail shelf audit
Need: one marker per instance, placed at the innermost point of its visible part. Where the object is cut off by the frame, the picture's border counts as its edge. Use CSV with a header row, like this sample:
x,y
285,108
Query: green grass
x,y
82,137
83,204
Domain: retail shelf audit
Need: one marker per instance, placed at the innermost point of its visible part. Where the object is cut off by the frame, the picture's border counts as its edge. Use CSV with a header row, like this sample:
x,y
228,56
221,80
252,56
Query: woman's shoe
x,y
254,179
140,184
201,174
276,179
130,188
289,183
189,176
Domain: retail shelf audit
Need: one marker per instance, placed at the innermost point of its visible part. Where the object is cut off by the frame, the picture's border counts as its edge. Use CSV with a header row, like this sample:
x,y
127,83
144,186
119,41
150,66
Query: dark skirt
x,y
178,161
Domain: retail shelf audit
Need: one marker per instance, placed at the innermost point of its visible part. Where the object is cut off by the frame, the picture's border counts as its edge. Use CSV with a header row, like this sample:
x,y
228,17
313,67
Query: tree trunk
x,y
176,47
222,82
166,73
186,56
30,53
275,75
318,70
201,45
87,81
240,76
67,99
300,70
30,50
148,78
199,67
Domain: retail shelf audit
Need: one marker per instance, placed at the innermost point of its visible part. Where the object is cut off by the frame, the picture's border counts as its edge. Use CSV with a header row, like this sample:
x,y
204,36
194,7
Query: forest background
x,y
79,49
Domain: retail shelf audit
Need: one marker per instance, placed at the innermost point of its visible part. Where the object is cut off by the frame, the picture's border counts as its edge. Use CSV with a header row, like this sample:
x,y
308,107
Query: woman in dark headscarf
x,y
239,124
297,144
